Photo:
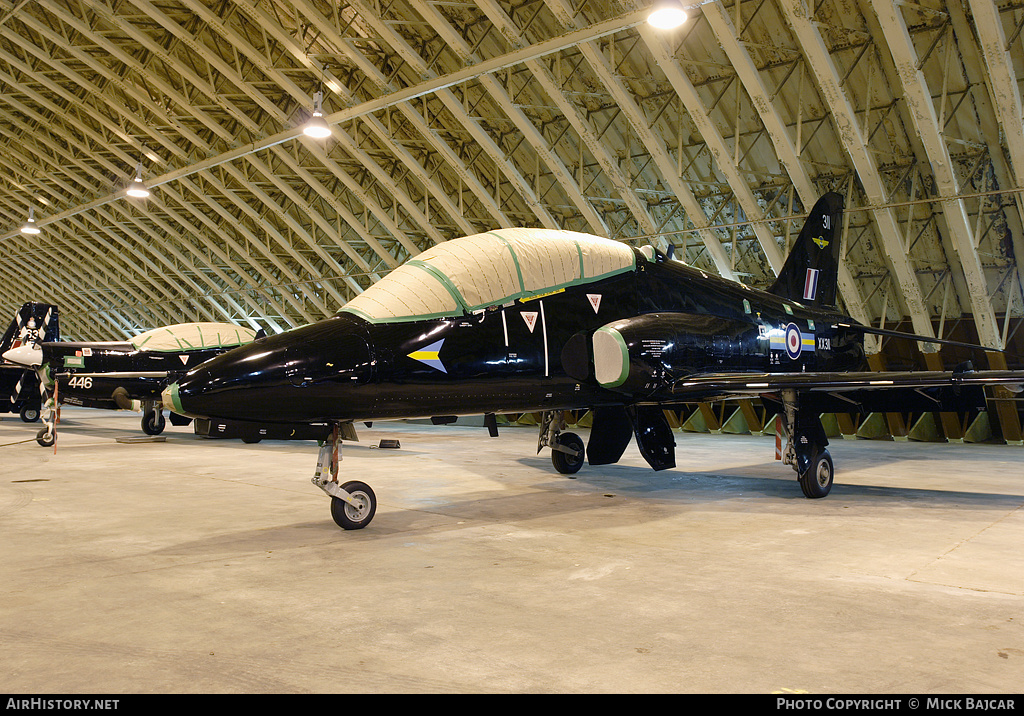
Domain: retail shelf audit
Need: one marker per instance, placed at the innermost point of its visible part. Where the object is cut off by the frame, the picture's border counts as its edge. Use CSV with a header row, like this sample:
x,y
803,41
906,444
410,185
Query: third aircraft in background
x,y
33,323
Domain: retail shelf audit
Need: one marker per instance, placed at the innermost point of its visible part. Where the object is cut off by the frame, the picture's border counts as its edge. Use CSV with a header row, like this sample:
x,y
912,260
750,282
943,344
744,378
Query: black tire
x,y
564,462
30,414
45,438
816,481
350,517
153,424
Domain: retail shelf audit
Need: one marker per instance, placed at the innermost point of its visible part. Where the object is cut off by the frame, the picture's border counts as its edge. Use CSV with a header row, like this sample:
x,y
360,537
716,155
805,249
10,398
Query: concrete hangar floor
x,y
211,566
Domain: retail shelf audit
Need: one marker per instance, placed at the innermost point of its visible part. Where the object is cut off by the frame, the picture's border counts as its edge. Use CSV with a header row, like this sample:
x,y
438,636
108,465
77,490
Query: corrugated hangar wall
x,y
452,118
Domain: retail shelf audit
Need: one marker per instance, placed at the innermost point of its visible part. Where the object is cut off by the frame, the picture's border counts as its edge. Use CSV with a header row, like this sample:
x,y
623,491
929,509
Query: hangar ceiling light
x,y
137,189
30,225
667,14
317,127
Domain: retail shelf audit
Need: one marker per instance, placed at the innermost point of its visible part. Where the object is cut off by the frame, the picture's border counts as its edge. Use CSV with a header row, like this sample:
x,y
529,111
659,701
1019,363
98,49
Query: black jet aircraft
x,y
124,375
33,323
533,320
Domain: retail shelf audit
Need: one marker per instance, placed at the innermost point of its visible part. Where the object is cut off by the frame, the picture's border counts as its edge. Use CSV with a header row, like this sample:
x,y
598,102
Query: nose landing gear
x,y
47,437
153,420
353,504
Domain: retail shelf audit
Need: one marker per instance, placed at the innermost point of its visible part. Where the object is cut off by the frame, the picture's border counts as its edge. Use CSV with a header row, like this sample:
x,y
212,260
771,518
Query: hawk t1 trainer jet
x,y
33,323
536,320
124,375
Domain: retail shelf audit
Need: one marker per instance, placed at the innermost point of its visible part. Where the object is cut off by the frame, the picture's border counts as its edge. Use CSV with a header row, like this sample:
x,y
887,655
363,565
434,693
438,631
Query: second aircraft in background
x,y
124,375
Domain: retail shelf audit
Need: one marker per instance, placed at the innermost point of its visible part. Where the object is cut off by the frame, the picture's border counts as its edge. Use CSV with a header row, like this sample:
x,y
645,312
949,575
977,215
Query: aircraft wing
x,y
891,391
118,374
757,383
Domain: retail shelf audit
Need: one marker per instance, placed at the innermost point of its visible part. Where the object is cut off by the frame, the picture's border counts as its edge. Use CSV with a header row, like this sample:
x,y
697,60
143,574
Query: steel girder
x,y
452,118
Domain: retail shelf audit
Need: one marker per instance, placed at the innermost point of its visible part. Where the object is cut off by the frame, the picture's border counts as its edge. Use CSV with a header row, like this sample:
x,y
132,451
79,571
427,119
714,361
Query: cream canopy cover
x,y
192,336
471,273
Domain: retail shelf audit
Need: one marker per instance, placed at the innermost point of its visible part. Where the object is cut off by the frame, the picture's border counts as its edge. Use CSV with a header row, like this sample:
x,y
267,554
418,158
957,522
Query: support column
x,y
950,421
897,426
1005,408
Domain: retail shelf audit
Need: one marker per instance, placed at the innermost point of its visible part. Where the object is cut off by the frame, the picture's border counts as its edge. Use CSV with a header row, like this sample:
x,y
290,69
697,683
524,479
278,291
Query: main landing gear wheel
x,y
30,415
354,516
564,462
46,437
816,480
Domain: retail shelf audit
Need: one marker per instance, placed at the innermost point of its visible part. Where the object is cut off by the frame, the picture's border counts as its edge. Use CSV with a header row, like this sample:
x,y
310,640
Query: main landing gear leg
x,y
805,449
567,451
352,504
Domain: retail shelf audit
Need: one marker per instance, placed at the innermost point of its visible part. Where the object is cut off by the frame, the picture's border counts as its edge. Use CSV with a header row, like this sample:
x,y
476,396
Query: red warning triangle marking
x,y
531,319
595,301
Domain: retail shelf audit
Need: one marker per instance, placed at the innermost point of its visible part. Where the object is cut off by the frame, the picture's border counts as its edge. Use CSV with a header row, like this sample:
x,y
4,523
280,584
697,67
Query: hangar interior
x,y
451,118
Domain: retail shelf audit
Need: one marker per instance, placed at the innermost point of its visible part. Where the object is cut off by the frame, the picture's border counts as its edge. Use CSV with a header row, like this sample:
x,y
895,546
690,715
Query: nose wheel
x,y
153,420
357,510
353,504
47,437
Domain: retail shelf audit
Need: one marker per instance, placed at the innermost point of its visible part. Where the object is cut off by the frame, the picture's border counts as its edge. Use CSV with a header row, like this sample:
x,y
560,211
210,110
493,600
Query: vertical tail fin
x,y
811,272
33,323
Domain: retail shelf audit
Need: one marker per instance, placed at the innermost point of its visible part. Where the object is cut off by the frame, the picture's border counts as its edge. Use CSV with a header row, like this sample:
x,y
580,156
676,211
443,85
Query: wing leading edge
x,y
757,383
856,392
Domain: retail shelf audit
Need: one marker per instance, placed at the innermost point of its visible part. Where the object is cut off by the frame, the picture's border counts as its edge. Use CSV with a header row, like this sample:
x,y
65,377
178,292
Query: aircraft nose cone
x,y
206,393
181,397
29,355
304,375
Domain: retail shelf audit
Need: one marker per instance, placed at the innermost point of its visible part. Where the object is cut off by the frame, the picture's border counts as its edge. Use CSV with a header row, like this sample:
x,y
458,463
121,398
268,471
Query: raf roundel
x,y
794,341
